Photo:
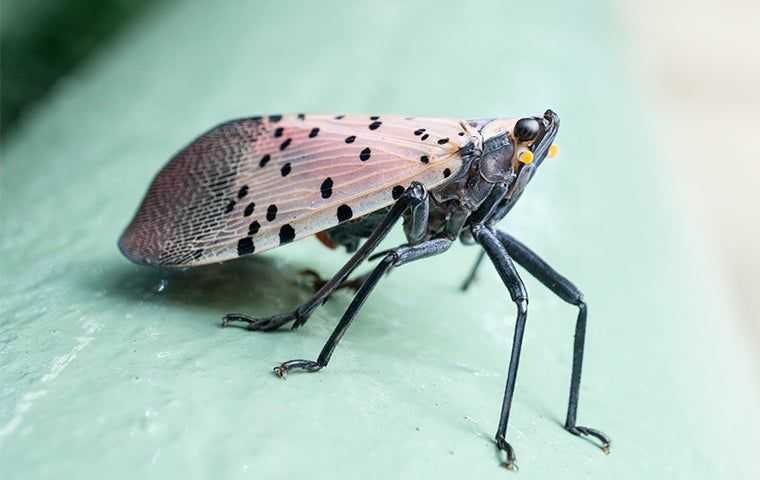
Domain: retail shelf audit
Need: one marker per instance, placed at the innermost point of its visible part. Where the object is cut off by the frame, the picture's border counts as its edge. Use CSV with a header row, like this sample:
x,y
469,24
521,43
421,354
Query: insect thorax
x,y
450,204
453,203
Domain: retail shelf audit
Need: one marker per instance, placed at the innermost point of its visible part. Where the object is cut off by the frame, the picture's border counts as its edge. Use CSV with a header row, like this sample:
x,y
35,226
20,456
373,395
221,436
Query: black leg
x,y
416,224
393,258
506,269
412,198
496,214
473,271
568,292
485,210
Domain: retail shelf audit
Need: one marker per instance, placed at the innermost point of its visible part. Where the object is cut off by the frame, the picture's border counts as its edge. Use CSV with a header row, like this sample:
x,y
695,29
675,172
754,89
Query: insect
x,y
253,184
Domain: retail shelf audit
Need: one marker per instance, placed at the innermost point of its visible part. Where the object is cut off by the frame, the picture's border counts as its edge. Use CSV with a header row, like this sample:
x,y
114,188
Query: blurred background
x,y
700,70
652,208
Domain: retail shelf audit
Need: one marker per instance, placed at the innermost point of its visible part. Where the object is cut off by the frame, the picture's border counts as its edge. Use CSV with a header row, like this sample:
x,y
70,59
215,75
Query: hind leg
x,y
414,198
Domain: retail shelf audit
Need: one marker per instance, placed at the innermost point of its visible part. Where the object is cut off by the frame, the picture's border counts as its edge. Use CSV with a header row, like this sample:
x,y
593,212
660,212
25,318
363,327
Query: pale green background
x,y
104,374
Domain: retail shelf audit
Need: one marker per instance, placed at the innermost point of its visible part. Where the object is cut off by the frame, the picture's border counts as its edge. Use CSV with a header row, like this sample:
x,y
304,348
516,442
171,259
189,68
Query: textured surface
x,y
107,366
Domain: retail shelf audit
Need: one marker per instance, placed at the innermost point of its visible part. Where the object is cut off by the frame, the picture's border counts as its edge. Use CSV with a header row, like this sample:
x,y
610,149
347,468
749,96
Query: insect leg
x,y
506,269
394,258
486,210
568,292
416,225
473,271
413,196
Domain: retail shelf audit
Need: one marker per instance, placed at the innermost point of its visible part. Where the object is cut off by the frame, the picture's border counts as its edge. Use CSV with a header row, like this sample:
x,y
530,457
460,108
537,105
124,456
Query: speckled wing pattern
x,y
250,185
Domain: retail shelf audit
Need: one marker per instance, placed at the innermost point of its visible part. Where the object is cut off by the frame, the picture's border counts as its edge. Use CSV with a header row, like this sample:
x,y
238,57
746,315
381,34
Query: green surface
x,y
107,367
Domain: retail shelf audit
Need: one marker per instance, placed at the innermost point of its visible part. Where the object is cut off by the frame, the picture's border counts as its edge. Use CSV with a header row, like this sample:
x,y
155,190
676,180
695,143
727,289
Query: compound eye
x,y
526,129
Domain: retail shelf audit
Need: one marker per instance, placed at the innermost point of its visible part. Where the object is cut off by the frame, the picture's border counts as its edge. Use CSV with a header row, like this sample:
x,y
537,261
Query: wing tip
x,y
143,247
132,250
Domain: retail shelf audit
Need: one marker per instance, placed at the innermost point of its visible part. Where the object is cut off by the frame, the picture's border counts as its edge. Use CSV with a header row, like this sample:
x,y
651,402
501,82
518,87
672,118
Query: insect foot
x,y
307,365
590,432
510,462
264,324
234,317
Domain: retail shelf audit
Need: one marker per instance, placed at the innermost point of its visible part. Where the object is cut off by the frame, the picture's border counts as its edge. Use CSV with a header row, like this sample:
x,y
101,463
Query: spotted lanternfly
x,y
253,184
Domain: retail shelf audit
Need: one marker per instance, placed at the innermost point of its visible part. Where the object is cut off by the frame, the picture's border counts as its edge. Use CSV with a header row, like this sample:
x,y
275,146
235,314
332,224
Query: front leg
x,y
506,269
568,292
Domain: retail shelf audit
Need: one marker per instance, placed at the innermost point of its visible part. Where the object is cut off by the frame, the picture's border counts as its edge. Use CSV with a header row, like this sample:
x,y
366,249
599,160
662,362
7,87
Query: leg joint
x,y
391,258
416,193
522,303
477,231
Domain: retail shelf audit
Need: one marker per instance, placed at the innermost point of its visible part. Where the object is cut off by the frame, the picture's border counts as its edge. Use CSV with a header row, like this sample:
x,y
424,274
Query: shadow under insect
x,y
259,284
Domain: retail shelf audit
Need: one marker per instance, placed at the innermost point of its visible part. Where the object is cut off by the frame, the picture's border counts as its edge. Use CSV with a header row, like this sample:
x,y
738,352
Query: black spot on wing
x,y
424,137
344,213
350,138
365,154
314,132
285,144
285,170
425,159
271,212
264,160
443,141
446,173
326,188
275,118
419,131
243,191
230,206
397,191
254,227
375,125
245,246
278,132
287,234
